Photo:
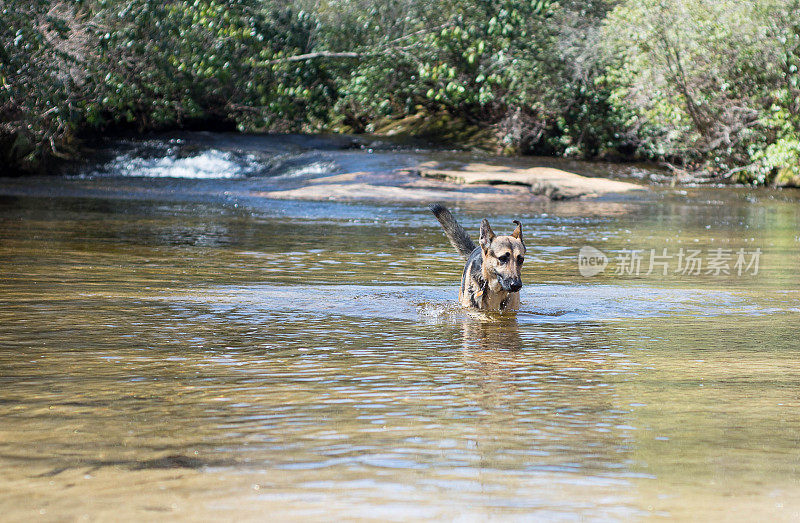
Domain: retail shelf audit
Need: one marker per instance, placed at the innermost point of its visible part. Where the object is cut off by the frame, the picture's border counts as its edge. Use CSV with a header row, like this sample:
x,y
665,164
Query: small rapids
x,y
207,164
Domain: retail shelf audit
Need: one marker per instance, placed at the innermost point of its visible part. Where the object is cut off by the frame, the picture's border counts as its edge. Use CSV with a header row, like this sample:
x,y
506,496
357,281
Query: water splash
x,y
208,164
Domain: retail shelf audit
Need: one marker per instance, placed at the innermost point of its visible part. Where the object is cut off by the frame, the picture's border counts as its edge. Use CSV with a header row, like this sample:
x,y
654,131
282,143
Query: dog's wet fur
x,y
492,275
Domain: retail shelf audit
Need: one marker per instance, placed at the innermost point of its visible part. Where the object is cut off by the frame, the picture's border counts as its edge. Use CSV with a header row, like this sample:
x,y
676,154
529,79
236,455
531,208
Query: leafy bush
x,y
709,84
41,74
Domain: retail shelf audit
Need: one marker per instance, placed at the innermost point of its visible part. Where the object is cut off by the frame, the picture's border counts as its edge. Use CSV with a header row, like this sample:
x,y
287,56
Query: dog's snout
x,y
510,284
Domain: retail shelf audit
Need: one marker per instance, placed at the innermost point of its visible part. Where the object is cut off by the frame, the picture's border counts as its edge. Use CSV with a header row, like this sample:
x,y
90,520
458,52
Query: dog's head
x,y
502,258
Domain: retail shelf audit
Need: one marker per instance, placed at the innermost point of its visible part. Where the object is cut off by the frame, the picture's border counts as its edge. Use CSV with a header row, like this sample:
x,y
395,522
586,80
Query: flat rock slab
x,y
470,182
553,183
396,186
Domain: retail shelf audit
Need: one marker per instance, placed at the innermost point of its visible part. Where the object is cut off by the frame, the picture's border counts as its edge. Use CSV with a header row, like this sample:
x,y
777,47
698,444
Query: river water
x,y
174,346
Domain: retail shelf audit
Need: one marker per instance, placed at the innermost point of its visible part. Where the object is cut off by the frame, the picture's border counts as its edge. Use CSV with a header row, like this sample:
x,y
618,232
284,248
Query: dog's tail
x,y
455,233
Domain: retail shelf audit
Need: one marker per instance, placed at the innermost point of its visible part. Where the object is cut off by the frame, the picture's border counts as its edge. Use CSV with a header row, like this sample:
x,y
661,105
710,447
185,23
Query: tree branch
x,y
384,48
318,54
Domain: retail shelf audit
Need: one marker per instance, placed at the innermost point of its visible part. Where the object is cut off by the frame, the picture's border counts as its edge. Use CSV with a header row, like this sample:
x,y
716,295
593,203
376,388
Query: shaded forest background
x,y
710,87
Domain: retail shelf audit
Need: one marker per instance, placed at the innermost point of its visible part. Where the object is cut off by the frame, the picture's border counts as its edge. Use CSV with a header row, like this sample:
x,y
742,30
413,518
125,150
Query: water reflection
x,y
491,334
549,406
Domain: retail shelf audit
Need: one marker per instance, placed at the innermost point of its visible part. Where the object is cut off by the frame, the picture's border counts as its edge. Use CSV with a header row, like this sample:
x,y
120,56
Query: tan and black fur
x,y
492,275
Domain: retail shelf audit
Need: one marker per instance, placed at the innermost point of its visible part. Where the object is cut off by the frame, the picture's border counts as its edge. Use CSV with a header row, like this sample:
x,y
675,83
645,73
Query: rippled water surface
x,y
172,346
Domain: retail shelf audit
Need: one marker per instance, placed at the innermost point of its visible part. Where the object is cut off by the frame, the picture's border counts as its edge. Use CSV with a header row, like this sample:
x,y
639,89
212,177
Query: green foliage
x,y
711,84
780,158
38,82
469,57
205,59
69,67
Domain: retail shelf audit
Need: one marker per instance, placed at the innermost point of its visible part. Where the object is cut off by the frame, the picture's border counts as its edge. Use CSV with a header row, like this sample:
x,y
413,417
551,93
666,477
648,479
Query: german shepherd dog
x,y
492,275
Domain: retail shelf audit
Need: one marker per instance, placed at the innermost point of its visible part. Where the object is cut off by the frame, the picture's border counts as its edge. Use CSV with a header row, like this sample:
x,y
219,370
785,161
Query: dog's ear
x,y
518,231
487,235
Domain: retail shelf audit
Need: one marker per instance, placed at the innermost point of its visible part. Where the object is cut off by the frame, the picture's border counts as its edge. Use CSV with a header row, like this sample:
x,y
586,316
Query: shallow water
x,y
174,347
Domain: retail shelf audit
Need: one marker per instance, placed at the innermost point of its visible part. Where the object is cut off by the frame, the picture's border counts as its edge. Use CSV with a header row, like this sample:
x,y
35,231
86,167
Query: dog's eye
x,y
504,258
520,259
